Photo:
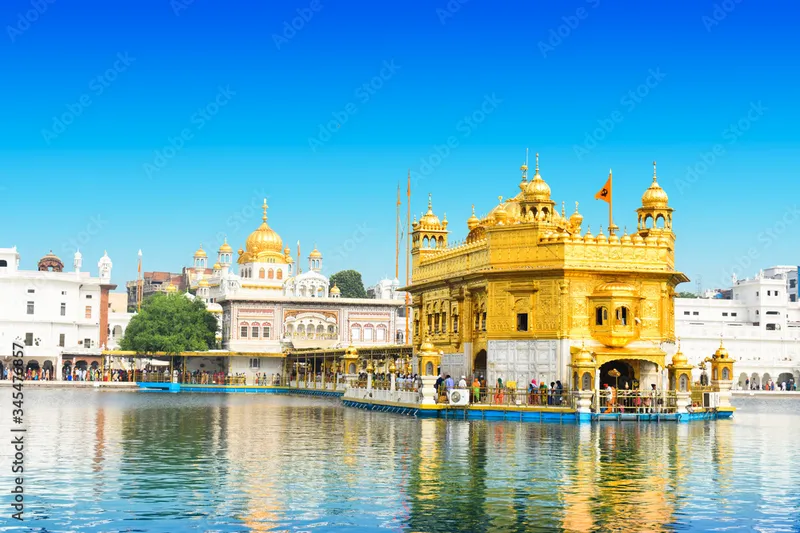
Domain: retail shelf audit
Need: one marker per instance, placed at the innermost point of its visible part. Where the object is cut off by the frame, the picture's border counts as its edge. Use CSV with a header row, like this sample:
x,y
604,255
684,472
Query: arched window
x,y
429,369
355,332
330,330
683,383
726,375
254,331
369,333
425,242
714,375
267,329
320,329
381,331
301,328
441,242
600,316
279,274
3,263
351,369
243,330
271,274
622,315
261,273
587,381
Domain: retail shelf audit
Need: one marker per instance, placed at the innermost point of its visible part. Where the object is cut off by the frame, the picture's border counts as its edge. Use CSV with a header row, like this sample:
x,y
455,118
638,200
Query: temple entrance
x,y
479,366
787,378
626,374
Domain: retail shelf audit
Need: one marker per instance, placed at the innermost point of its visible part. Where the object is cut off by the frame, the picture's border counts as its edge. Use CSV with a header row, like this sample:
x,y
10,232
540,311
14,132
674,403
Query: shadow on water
x,y
202,462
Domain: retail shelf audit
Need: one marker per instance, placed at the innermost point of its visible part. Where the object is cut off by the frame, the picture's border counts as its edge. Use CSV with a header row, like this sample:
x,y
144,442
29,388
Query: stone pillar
x,y
369,380
584,405
428,390
724,388
103,337
394,378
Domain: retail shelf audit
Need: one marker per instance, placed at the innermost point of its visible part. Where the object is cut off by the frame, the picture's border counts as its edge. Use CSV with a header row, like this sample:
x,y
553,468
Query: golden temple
x,y
531,294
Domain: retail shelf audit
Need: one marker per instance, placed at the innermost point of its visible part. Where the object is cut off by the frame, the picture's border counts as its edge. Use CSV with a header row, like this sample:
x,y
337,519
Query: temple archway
x,y
743,381
755,381
33,364
786,377
47,366
479,364
626,374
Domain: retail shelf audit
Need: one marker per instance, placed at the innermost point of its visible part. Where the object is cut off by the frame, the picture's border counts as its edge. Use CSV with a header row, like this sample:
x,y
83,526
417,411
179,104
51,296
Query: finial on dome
x,y
430,202
500,199
264,207
576,207
524,168
654,171
473,209
537,162
563,211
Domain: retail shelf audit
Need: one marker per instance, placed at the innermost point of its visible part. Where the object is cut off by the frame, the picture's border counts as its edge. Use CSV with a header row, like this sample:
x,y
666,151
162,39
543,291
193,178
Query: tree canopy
x,y
171,323
685,294
349,282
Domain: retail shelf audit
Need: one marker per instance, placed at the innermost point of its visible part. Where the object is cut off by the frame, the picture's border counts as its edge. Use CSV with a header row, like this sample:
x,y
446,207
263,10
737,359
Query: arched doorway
x,y
2,370
66,370
743,381
626,374
765,379
755,381
33,365
48,370
787,378
479,365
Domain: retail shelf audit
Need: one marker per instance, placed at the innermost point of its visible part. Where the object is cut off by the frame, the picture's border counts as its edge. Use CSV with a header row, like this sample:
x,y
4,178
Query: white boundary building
x,y
760,323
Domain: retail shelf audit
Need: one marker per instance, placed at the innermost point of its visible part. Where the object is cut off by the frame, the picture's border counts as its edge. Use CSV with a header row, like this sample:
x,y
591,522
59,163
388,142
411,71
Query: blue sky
x,y
161,125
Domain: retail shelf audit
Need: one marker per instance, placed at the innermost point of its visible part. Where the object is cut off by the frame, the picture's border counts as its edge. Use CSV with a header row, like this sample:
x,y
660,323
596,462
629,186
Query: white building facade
x,y
61,317
270,306
760,325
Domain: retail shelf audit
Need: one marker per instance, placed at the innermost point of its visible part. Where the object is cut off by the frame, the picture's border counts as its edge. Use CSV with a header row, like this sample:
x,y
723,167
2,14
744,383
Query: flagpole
x,y
139,285
612,229
408,246
397,237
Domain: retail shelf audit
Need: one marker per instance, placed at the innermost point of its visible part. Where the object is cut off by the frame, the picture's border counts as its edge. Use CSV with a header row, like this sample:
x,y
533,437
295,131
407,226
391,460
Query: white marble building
x,y
388,289
760,324
61,317
271,306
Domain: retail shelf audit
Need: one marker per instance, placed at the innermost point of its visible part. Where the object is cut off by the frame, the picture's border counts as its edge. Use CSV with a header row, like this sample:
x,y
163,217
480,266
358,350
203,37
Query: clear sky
x,y
326,119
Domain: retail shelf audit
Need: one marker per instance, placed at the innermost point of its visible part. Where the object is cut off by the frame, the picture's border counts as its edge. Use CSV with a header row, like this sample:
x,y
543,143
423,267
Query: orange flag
x,y
605,193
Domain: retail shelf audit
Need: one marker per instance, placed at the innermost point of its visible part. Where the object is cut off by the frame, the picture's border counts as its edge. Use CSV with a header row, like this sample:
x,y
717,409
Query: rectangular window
x,y
254,332
88,313
695,313
756,293
792,283
31,291
771,327
243,332
522,321
777,293
733,314
381,334
87,343
355,334
267,331
30,308
368,334
63,309
687,313
88,296
255,362
62,339
29,339
724,314
63,293
455,323
772,312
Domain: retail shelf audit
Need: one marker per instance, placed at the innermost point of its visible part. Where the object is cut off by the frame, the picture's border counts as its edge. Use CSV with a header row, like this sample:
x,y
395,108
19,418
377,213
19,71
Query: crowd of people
x,y
771,385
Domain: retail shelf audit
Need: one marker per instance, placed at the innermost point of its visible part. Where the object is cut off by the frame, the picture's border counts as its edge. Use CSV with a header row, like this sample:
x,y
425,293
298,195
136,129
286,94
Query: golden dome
x,y
202,283
429,219
427,347
499,212
626,239
615,287
225,248
264,239
588,237
315,254
351,352
473,221
537,189
637,239
655,196
679,359
217,266
171,288
601,237
335,289
584,356
200,252
721,352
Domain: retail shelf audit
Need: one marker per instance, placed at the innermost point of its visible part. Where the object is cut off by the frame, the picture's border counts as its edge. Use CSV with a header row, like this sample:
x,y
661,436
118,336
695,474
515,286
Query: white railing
x,y
397,396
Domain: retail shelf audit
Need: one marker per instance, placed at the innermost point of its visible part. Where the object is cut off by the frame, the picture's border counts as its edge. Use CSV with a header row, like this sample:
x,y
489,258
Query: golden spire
x,y
524,168
576,207
430,202
537,163
500,199
563,211
654,171
264,207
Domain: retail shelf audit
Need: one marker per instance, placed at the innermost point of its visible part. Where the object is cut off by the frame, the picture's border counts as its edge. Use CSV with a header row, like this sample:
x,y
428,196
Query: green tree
x,y
171,323
349,282
684,294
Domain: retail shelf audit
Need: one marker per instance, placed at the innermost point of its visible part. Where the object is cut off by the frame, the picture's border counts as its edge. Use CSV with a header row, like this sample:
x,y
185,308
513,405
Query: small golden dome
x,y
200,252
351,352
576,219
429,219
427,347
637,239
202,283
626,239
225,248
655,196
679,358
335,289
584,355
601,237
537,189
264,239
588,237
217,266
721,352
171,288
473,221
615,287
315,254
499,212
392,367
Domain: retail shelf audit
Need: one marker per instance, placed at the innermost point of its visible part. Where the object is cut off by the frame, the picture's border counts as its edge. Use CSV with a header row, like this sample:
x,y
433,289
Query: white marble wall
x,y
522,361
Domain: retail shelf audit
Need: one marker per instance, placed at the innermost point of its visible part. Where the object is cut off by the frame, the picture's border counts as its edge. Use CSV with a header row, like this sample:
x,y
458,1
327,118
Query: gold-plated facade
x,y
527,272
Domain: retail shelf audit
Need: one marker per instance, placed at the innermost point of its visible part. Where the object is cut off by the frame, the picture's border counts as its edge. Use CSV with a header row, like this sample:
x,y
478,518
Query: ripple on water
x,y
102,462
